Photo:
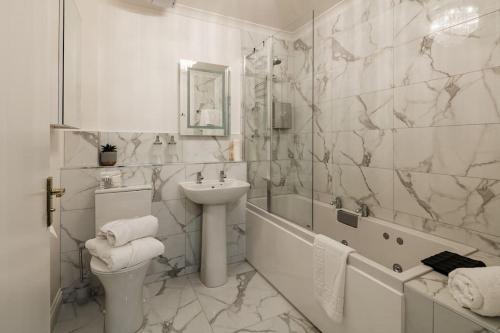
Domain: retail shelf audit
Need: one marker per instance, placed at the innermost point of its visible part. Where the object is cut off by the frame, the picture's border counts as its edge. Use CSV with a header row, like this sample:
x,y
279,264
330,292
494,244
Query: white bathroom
x,y
221,166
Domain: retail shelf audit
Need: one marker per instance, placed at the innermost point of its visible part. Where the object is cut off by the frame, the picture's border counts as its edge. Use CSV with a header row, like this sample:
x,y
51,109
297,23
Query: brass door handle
x,y
58,192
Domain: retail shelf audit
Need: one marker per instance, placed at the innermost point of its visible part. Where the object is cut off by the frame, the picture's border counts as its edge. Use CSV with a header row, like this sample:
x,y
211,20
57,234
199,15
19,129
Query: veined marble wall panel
x,y
81,148
407,114
258,172
413,19
463,99
303,155
354,56
464,48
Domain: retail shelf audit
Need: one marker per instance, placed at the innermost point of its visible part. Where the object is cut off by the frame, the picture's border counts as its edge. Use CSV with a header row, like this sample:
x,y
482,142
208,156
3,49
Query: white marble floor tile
x,y
290,322
174,307
87,318
164,298
247,303
246,299
238,268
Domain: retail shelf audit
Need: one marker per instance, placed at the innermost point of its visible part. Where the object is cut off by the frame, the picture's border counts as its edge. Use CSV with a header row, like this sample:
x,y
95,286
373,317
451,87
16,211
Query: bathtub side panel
x,y
283,259
286,261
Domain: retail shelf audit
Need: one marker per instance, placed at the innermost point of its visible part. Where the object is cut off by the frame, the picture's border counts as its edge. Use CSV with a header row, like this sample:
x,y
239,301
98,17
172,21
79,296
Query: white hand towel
x,y
210,117
128,255
121,232
329,269
477,289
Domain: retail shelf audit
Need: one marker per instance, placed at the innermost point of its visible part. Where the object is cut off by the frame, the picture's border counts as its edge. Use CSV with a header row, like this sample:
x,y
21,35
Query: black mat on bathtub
x,y
445,262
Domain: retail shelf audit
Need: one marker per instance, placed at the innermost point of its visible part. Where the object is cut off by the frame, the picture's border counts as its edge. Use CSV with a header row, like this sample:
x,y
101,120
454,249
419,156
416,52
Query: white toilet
x,y
123,288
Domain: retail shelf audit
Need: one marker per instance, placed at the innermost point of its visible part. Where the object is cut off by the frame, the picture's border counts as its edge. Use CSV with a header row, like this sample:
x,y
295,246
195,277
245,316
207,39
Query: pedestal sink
x,y
214,195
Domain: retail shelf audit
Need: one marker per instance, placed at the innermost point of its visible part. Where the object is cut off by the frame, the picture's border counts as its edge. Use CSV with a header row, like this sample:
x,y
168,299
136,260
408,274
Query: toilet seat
x,y
97,266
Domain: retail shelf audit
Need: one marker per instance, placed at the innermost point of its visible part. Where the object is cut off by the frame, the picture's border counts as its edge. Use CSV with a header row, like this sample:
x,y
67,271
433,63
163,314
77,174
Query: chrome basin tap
x,y
222,176
363,210
199,177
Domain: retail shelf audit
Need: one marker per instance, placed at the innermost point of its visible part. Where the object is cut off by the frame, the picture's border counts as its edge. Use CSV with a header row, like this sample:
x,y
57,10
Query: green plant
x,y
108,148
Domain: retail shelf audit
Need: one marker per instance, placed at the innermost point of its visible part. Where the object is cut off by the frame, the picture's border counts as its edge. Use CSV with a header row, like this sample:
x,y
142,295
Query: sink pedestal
x,y
213,246
214,195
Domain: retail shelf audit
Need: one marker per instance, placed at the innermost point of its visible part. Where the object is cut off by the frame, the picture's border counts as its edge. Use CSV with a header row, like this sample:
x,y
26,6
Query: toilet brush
x,y
82,287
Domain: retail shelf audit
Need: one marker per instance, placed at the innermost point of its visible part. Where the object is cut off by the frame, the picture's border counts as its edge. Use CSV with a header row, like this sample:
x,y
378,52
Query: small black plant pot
x,y
108,158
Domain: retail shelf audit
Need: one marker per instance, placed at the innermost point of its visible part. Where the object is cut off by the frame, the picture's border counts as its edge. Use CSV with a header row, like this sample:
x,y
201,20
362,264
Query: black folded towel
x,y
446,262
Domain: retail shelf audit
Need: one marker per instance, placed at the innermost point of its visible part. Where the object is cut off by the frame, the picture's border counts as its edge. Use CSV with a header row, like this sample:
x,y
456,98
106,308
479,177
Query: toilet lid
x,y
98,266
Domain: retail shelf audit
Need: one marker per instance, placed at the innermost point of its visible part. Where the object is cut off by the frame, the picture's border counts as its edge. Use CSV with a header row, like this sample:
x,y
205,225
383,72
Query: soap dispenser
x,y
156,152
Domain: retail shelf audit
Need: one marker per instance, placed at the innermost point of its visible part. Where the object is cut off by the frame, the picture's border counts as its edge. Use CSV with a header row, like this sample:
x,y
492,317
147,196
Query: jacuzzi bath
x,y
282,252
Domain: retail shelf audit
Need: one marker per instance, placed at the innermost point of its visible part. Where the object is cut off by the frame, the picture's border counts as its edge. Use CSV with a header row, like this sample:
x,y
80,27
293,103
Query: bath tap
x,y
363,210
222,176
337,203
199,177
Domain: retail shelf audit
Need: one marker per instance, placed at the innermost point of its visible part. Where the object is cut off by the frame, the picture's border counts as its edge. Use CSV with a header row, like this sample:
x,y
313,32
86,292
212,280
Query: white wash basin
x,y
214,195
212,192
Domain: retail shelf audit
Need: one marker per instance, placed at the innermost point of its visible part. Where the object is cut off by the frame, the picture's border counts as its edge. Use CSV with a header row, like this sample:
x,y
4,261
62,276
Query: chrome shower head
x,y
276,61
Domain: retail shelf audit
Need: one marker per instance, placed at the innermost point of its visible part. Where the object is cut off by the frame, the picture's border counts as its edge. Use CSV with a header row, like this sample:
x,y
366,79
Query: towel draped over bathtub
x,y
329,269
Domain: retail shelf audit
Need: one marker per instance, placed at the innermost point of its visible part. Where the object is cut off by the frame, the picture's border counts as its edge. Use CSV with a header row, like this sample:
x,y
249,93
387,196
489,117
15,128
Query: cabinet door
x,y
446,321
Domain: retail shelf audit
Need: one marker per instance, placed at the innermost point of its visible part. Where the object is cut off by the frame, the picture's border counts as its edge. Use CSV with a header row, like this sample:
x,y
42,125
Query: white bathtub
x,y
282,252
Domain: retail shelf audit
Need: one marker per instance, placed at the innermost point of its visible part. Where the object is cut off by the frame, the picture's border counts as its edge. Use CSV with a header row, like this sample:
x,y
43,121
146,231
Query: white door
x,y
26,98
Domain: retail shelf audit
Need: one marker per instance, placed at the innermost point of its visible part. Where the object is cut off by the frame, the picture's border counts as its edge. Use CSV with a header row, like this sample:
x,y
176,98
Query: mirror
x,y
204,104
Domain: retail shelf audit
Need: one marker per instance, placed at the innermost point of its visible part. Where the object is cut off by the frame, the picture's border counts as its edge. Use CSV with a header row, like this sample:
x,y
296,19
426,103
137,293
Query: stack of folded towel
x,y
125,243
477,289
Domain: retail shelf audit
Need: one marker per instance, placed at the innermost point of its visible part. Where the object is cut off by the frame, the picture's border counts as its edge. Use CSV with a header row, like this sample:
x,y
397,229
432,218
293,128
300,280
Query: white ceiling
x,y
280,14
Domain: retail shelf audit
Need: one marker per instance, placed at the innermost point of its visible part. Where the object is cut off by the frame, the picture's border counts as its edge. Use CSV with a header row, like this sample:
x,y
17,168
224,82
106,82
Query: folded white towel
x,y
121,232
329,269
210,117
477,289
128,255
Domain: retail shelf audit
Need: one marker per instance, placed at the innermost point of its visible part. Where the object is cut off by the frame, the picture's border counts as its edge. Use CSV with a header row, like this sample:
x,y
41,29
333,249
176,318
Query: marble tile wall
x,y
407,113
180,219
301,52
81,148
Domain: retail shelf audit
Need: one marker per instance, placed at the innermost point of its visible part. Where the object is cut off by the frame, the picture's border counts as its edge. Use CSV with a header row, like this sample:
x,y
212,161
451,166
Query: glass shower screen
x,y
278,107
